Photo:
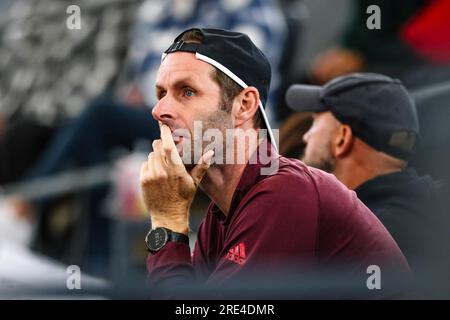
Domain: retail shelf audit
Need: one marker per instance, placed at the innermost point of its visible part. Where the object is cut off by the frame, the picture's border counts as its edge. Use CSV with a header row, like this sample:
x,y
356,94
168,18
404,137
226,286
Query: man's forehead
x,y
184,63
322,116
326,117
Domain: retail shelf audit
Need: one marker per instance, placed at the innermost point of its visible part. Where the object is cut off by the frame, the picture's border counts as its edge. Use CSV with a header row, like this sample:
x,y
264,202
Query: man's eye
x,y
189,93
160,95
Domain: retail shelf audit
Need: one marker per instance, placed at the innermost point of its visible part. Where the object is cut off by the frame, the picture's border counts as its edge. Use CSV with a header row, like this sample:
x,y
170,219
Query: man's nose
x,y
163,110
306,137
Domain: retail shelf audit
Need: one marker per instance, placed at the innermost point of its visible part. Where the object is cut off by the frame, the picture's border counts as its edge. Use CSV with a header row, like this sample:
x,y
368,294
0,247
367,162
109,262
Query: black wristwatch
x,y
157,238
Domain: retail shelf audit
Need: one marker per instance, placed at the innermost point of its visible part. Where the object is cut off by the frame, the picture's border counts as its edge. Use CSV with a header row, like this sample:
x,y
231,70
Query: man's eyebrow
x,y
159,87
179,83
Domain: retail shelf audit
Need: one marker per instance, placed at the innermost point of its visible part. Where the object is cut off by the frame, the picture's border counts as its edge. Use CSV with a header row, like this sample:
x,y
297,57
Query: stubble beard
x,y
320,158
220,120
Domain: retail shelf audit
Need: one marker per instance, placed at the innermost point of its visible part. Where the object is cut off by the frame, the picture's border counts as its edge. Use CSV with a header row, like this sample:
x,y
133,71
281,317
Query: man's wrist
x,y
176,226
158,238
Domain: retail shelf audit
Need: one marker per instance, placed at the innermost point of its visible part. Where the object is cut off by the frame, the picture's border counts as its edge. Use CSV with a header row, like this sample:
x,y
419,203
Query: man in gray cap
x,y
364,130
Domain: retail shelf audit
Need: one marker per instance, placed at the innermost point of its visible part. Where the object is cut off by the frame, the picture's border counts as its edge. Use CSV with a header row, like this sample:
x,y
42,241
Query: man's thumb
x,y
200,169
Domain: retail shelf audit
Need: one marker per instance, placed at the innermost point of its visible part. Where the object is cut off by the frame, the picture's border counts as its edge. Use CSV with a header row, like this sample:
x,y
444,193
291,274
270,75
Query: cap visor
x,y
304,98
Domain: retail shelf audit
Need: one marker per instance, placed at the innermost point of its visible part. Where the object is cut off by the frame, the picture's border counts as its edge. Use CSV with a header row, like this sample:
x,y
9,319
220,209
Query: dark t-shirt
x,y
412,210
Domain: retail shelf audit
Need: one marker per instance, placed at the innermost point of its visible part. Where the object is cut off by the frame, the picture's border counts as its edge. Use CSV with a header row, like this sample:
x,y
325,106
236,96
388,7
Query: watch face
x,y
156,239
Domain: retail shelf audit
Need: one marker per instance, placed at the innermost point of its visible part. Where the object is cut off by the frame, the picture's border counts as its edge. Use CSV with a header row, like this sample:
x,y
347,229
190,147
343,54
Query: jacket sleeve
x,y
171,265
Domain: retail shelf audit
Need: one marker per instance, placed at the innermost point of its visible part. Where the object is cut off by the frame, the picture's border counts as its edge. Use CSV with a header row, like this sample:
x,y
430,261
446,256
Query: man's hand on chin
x,y
167,187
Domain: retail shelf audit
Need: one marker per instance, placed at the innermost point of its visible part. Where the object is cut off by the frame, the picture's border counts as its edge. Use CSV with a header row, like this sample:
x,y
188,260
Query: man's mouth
x,y
177,139
178,135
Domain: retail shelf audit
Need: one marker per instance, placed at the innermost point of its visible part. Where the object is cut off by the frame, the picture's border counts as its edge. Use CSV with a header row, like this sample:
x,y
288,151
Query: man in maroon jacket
x,y
268,214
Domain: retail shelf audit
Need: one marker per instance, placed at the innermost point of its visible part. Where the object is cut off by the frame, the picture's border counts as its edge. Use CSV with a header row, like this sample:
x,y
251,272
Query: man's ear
x,y
247,106
343,142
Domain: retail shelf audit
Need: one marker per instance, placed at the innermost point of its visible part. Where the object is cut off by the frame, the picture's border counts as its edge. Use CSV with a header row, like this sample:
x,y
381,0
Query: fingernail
x,y
208,156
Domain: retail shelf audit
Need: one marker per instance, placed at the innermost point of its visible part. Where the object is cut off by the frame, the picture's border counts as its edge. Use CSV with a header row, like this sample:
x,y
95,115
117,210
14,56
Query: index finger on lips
x,y
159,160
169,147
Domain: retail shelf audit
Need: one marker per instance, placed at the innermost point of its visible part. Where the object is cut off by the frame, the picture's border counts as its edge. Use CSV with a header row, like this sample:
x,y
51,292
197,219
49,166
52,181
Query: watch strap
x,y
178,237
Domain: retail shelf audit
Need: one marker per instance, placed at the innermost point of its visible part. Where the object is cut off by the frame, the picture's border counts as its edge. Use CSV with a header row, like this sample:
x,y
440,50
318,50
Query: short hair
x,y
230,89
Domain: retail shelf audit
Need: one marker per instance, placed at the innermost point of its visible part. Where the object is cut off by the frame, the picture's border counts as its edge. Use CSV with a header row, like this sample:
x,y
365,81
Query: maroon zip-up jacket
x,y
297,218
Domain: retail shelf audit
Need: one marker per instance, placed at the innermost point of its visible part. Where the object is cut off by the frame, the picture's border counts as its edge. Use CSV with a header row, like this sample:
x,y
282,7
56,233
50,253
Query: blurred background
x,y
75,111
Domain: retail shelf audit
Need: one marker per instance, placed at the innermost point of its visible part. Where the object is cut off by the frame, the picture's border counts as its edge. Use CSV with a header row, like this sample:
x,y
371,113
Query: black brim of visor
x,y
305,98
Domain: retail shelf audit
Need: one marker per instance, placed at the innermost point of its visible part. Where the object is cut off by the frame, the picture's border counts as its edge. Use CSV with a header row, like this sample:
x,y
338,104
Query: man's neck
x,y
355,175
221,181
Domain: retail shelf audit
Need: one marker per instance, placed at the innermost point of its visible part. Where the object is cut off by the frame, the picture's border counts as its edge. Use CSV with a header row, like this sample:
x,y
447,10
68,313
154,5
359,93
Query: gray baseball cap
x,y
379,109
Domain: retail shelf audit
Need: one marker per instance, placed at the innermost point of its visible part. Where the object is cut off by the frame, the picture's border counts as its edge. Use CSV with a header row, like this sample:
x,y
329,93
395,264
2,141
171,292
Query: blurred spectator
x,y
364,131
412,33
412,45
291,134
49,72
